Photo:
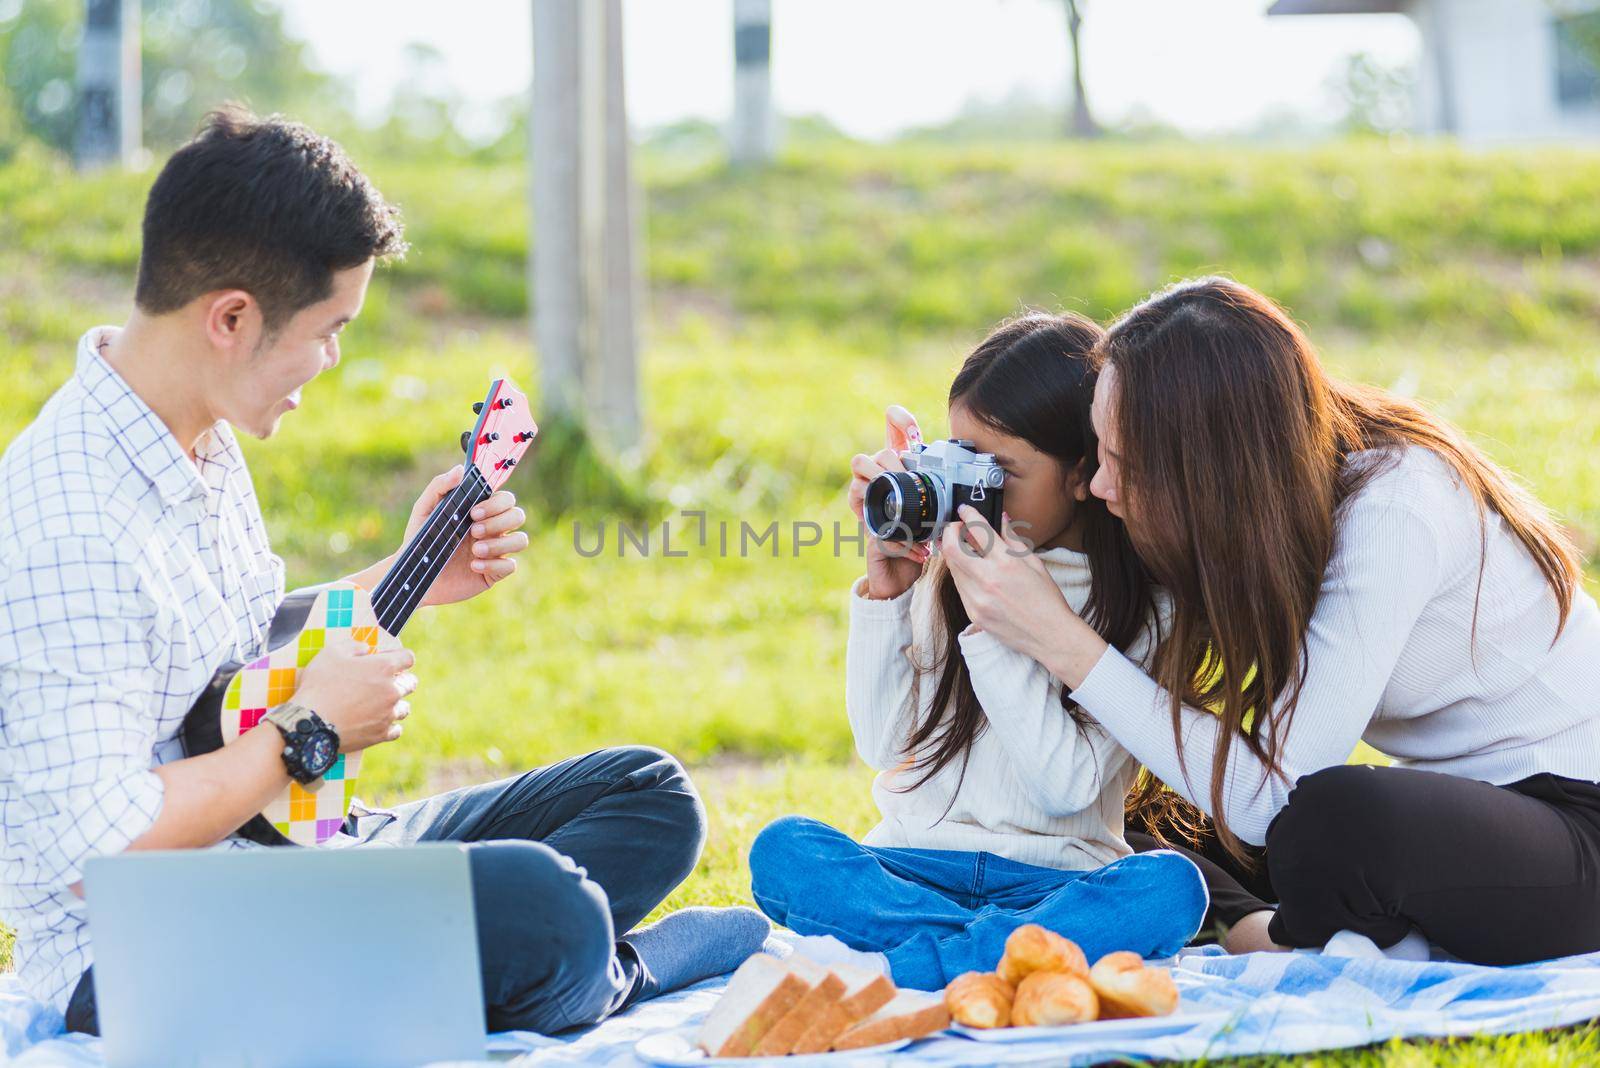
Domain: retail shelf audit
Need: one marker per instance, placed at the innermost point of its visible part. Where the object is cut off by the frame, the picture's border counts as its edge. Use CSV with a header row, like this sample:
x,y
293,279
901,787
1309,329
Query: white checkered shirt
x,y
128,575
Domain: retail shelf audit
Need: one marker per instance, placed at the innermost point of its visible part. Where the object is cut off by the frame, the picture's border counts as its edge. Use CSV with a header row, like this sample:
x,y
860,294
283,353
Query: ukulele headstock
x,y
503,433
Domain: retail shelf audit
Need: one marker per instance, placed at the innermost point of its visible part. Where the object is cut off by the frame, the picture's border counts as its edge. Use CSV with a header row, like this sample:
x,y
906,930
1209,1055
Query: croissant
x,y
980,999
1031,948
1045,999
1127,988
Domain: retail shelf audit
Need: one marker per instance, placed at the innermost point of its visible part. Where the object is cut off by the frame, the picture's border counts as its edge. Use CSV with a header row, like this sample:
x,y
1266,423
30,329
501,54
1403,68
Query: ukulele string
x,y
404,577
430,571
424,546
382,595
441,526
421,575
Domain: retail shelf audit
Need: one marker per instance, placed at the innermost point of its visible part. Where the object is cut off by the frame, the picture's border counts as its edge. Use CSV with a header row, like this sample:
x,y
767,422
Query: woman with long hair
x,y
1342,566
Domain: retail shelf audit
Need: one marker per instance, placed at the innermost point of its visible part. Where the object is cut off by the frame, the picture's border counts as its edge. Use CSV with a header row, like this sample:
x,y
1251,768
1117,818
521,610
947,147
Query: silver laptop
x,y
286,958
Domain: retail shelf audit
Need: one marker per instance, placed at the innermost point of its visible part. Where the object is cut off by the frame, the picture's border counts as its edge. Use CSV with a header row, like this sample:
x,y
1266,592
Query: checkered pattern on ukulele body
x,y
343,609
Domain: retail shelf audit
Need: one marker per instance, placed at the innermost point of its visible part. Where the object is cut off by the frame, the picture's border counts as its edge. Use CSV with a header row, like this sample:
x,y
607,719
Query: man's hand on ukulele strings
x,y
486,555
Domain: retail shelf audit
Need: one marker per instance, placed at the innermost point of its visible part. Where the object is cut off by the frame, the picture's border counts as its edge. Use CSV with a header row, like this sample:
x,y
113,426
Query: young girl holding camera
x,y
1002,803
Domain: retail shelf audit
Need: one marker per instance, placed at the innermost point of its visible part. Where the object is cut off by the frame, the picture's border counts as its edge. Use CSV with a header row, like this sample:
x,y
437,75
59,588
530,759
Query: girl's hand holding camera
x,y
892,566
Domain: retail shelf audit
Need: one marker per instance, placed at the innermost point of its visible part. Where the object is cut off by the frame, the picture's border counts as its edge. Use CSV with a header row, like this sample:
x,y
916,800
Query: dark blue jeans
x,y
563,859
936,913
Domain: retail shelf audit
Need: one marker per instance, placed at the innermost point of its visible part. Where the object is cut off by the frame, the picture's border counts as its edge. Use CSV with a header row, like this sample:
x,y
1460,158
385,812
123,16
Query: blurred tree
x,y
422,112
693,138
812,128
38,60
196,54
1377,98
1582,29
1080,121
1578,58
12,135
511,144
1018,116
427,119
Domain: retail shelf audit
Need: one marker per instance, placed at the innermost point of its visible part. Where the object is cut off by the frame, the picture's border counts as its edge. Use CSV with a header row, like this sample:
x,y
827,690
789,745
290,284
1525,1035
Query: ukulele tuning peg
x,y
477,407
526,435
466,441
505,402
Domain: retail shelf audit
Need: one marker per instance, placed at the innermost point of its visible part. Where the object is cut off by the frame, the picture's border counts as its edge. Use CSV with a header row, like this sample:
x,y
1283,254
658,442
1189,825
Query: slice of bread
x,y
827,988
910,1014
865,993
761,993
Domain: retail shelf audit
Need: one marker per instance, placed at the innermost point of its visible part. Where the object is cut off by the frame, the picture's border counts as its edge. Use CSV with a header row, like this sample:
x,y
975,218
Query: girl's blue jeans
x,y
936,913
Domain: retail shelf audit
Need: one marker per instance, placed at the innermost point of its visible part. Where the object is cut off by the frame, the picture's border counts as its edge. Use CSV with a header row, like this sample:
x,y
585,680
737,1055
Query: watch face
x,y
320,753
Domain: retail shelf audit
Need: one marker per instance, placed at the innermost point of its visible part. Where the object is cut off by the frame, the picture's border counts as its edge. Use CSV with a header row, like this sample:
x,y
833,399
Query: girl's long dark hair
x,y
1032,378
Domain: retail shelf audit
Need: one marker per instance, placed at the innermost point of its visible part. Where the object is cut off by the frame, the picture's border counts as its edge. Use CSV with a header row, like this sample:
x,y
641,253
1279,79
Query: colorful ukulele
x,y
240,694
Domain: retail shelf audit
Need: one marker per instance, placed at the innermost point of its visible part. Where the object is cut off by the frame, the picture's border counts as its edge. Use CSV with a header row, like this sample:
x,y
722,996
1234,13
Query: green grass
x,y
787,308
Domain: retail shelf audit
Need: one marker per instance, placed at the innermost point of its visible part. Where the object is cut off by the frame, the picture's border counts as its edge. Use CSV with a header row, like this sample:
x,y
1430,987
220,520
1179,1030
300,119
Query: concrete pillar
x,y
108,131
557,304
584,260
615,402
753,136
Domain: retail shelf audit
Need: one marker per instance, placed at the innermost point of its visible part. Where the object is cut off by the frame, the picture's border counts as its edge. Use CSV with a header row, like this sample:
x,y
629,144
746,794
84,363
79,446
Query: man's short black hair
x,y
263,205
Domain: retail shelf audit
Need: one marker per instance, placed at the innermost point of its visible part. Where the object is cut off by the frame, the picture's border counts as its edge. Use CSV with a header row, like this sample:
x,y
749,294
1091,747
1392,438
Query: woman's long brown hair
x,y
1233,444
1031,378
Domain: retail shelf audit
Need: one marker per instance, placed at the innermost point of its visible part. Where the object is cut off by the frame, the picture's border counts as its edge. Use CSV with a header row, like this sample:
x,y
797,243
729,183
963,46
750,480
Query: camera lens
x,y
902,506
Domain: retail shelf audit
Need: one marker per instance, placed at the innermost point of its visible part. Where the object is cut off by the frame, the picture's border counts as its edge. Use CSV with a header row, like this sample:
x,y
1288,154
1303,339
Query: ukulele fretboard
x,y
425,555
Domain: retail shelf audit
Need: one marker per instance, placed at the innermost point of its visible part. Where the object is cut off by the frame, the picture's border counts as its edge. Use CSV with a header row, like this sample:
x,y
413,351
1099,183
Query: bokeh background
x,y
933,173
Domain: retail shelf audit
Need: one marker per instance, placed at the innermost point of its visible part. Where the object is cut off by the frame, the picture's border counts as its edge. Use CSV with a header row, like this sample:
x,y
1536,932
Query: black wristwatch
x,y
310,744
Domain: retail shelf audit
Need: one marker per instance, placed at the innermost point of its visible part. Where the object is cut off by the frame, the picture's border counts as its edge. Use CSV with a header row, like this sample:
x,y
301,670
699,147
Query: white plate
x,y
1098,1031
676,1049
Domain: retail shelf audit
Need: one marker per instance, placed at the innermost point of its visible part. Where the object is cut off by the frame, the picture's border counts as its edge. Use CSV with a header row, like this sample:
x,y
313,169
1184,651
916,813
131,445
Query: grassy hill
x,y
787,308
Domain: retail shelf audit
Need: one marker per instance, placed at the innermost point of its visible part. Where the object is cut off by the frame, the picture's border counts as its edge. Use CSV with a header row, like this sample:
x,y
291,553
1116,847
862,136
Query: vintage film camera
x,y
915,504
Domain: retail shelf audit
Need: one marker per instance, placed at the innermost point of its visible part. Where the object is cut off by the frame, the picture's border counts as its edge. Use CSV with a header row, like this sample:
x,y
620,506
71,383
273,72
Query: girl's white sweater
x,y
1038,787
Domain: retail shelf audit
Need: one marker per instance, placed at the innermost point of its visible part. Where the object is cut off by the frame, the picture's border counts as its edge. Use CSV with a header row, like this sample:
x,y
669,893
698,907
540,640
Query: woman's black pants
x,y
1491,874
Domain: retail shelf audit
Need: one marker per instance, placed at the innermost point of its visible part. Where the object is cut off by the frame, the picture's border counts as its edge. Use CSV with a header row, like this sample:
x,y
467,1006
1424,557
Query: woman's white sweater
x,y
1038,787
1408,650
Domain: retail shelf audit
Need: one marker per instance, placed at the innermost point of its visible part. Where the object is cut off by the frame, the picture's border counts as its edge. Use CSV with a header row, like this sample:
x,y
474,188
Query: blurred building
x,y
1496,70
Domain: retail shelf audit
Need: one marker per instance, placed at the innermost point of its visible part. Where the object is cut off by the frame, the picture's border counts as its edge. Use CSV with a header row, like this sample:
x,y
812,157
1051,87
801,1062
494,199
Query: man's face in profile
x,y
268,383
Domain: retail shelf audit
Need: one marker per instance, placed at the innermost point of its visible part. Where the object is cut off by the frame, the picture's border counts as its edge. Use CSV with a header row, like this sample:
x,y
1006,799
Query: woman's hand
x,y
1008,592
486,554
893,567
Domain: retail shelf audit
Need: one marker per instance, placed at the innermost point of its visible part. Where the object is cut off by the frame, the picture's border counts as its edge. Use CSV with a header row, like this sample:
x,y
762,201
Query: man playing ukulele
x,y
134,562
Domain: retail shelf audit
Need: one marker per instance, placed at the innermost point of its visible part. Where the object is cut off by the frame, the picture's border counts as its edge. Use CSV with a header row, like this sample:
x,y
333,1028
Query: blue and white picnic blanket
x,y
1255,1004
